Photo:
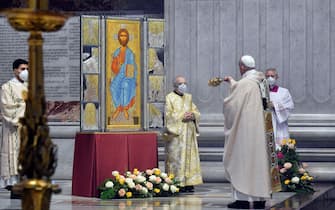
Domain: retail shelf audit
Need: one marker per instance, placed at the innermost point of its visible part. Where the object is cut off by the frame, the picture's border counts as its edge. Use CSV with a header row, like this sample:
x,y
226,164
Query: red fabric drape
x,y
96,155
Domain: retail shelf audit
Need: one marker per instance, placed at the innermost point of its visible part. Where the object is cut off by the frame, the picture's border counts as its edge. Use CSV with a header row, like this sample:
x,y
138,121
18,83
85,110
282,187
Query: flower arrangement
x,y
293,173
137,184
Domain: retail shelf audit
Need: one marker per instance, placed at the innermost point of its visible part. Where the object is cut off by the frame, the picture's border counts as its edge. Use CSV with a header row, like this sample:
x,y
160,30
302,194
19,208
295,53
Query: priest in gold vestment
x,y
181,149
246,157
12,106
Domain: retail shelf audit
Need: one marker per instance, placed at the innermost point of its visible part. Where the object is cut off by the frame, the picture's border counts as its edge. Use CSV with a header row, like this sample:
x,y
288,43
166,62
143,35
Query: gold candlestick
x,y
37,157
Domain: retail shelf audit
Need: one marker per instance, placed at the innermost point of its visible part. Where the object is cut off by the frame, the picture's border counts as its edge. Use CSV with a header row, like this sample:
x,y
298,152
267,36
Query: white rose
x,y
152,178
131,185
109,184
128,173
291,146
173,188
144,190
295,180
165,187
140,179
115,173
164,175
128,180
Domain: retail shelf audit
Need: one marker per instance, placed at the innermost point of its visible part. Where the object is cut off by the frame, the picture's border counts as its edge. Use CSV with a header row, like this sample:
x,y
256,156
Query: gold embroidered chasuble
x,y
182,154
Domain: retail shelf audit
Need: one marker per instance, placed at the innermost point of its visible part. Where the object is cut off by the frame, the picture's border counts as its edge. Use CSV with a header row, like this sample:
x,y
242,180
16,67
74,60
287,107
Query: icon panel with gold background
x,y
123,74
90,93
156,74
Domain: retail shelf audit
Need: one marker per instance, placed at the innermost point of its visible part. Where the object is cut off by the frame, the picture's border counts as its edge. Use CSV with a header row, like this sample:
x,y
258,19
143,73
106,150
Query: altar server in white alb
x,y
281,104
12,105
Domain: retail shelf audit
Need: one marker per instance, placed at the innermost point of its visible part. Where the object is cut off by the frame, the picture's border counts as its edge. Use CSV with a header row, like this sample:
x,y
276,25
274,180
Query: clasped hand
x,y
188,116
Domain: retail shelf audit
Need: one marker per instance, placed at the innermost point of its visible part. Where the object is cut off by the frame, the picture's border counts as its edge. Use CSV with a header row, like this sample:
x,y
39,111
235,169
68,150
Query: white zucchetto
x,y
248,61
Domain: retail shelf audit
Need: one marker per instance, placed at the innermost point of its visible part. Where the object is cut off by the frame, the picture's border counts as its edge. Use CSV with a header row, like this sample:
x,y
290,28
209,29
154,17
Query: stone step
x,y
305,154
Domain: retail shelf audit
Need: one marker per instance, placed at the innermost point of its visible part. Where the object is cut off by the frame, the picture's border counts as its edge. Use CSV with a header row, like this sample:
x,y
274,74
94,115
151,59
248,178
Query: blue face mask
x,y
182,88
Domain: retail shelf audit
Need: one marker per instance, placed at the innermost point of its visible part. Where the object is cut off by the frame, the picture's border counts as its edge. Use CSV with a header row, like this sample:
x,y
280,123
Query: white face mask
x,y
24,75
272,81
182,88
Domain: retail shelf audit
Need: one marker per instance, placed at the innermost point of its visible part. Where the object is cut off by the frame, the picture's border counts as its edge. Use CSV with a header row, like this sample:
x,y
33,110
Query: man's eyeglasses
x,y
24,69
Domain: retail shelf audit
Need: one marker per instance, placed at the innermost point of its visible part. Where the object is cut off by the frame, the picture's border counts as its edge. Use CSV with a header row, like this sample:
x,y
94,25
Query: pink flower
x,y
149,172
282,170
138,187
122,192
287,165
168,180
302,170
149,185
158,180
280,155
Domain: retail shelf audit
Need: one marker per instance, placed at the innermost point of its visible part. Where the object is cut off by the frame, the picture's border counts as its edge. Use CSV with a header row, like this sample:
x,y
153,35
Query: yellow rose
x,y
287,181
117,177
157,172
293,141
310,178
156,190
129,194
303,178
283,142
121,181
135,171
171,176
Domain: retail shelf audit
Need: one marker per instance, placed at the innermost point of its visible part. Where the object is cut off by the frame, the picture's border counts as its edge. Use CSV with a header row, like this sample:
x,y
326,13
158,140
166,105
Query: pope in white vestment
x,y
282,105
246,159
12,105
182,155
